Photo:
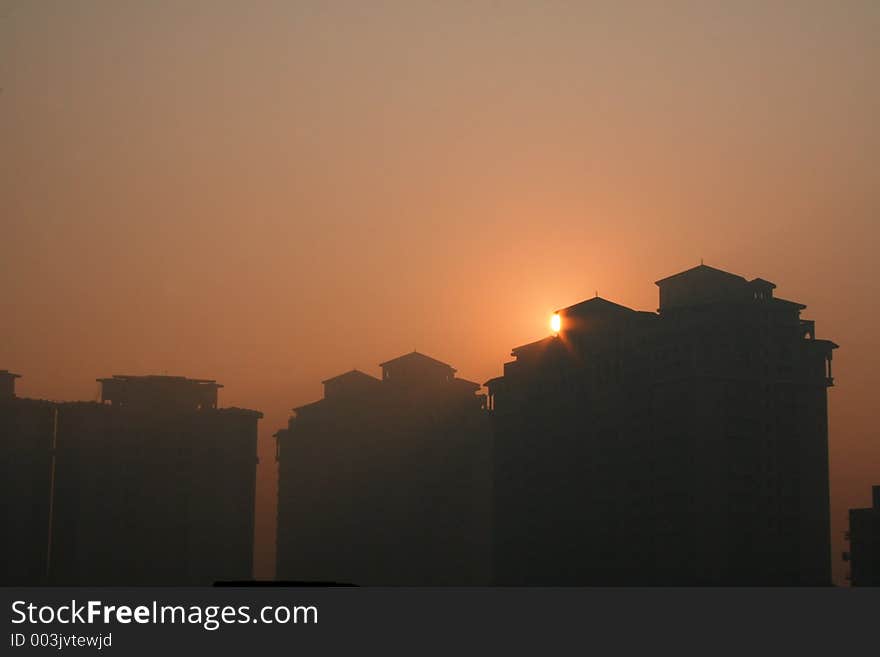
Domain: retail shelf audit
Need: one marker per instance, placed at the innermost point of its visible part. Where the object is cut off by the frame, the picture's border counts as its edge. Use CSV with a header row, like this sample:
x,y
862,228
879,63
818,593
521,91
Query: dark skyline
x,y
236,193
686,446
348,392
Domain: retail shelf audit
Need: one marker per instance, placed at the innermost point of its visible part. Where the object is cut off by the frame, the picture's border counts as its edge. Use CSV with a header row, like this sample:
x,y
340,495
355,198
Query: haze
x,y
271,193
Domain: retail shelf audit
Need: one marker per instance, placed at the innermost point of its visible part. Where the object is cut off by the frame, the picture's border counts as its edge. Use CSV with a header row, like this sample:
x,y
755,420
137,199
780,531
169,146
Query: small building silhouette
x,y
387,481
686,446
7,385
27,432
864,541
153,485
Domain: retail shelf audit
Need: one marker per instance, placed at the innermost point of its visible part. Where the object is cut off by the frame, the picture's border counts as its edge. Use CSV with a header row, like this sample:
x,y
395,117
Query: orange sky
x,y
271,193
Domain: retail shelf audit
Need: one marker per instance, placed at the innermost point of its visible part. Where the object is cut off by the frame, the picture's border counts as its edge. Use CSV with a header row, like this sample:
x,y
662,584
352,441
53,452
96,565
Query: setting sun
x,y
555,322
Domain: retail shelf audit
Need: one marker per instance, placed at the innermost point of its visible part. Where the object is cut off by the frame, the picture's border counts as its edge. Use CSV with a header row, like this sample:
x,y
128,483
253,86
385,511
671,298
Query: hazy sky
x,y
270,193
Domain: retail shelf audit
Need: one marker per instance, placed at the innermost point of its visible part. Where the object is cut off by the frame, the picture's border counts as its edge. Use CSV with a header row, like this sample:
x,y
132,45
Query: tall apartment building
x,y
387,481
153,485
686,446
27,429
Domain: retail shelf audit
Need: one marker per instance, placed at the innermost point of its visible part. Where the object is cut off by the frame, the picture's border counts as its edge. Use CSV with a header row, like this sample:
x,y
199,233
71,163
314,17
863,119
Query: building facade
x,y
387,481
684,446
27,433
153,485
864,542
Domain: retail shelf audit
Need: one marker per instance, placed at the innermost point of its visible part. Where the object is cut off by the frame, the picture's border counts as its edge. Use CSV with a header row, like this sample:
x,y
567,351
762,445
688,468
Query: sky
x,y
271,193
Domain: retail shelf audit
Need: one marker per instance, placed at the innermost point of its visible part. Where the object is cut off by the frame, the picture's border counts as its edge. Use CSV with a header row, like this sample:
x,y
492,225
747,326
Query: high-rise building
x,y
387,481
153,485
864,542
27,429
686,446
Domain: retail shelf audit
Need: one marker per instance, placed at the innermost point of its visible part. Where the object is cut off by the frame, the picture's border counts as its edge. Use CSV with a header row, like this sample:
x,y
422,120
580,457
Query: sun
x,y
555,322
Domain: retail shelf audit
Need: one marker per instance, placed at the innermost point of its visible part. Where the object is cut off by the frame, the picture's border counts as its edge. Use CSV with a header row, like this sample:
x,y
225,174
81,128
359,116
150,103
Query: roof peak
x,y
596,302
701,268
417,355
354,372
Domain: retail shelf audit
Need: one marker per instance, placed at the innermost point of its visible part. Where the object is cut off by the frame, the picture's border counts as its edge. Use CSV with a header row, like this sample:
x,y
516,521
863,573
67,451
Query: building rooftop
x,y
299,409
351,375
416,357
595,305
158,379
541,344
7,384
704,271
159,391
703,285
763,283
464,383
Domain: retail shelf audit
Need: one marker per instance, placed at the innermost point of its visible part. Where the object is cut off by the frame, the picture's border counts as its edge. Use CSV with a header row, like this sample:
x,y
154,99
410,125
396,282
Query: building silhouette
x,y
27,431
864,542
387,481
686,446
153,485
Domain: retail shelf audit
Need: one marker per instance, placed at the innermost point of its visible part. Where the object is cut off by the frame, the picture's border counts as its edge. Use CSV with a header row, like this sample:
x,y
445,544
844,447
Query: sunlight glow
x,y
555,323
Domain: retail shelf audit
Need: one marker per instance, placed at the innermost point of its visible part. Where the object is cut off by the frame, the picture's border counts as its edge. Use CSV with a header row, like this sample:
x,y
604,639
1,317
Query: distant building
x,y
864,538
27,429
687,446
387,482
7,385
153,485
